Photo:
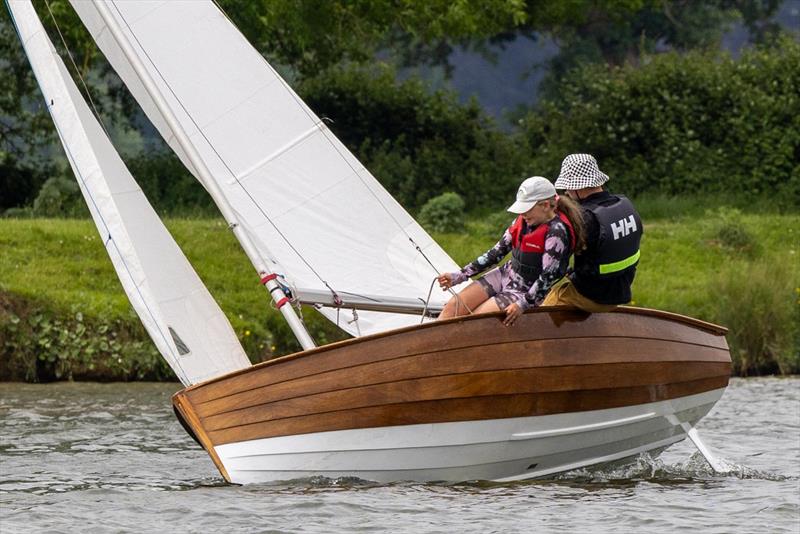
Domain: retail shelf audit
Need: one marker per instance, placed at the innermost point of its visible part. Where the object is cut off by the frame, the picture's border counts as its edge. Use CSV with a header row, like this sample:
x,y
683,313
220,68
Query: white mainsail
x,y
185,322
314,212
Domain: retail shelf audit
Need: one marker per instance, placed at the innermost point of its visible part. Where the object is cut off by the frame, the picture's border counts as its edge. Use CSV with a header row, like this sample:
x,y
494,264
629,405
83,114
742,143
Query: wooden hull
x,y
465,398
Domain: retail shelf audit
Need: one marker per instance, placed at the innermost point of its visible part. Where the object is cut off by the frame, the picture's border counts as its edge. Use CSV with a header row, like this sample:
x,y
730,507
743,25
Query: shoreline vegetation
x,y
64,316
676,131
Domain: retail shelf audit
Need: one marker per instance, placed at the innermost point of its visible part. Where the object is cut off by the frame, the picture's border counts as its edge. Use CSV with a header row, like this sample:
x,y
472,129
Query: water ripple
x,y
112,457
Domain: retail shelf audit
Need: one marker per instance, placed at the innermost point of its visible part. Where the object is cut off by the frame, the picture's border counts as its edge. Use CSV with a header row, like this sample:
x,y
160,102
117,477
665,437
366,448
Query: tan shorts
x,y
565,294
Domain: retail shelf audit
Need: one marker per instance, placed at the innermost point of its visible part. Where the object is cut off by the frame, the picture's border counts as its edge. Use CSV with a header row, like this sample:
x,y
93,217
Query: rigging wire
x,y
77,70
326,134
219,156
184,379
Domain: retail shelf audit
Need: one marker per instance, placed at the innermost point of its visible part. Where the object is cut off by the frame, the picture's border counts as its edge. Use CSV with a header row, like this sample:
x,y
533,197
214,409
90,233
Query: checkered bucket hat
x,y
579,171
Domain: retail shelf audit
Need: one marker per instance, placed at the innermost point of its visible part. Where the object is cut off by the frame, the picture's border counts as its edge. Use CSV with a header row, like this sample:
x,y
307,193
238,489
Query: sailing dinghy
x,y
406,398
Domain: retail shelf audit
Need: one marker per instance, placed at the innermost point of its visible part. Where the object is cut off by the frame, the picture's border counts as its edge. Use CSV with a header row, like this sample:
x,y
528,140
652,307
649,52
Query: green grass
x,y
62,267
64,263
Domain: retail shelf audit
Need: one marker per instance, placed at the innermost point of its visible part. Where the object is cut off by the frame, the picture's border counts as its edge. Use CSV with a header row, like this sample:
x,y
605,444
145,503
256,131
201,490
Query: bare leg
x,y
472,296
488,306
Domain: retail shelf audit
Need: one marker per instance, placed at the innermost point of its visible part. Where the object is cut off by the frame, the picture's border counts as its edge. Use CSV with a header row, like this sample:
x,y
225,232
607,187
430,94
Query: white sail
x,y
187,326
321,219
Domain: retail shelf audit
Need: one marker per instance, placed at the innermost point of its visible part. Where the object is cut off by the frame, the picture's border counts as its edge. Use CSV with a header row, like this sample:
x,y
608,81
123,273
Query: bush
x,y
18,213
758,302
731,233
59,197
39,345
493,225
169,186
444,213
417,143
697,123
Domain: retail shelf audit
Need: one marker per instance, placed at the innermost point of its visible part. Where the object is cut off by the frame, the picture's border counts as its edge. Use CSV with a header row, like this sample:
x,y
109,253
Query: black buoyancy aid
x,y
527,250
617,250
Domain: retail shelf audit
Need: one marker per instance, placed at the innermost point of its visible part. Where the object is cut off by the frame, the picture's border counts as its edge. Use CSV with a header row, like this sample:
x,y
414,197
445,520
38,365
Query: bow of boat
x,y
465,398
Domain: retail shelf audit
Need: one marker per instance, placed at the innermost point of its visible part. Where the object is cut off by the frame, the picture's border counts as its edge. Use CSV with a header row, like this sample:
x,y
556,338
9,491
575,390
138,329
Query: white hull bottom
x,y
496,449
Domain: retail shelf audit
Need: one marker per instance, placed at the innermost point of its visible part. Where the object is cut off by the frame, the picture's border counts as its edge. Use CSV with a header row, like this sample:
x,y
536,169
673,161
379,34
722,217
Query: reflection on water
x,y
113,457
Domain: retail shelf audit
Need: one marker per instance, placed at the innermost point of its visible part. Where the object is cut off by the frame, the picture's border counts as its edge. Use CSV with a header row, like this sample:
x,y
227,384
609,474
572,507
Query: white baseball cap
x,y
531,191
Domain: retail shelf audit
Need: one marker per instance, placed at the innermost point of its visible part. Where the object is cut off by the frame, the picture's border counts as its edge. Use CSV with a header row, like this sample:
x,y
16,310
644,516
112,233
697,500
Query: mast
x,y
274,289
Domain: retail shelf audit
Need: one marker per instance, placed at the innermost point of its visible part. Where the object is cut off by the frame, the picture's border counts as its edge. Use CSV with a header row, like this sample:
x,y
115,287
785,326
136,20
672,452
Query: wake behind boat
x,y
451,400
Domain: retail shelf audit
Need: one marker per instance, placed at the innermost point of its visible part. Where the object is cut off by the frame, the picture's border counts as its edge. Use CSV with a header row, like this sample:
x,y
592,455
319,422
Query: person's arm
x,y
485,261
555,260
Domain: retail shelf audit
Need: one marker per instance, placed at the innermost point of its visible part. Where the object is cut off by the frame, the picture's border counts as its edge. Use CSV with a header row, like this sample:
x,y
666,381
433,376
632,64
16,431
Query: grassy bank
x,y
63,313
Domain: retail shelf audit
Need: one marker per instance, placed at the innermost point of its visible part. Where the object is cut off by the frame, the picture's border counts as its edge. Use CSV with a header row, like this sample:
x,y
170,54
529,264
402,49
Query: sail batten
x,y
310,206
185,323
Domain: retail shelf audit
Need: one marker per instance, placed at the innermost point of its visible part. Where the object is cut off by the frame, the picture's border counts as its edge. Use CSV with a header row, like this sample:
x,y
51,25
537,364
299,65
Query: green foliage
x,y
417,143
692,124
681,260
626,31
41,345
18,213
169,186
19,184
312,36
444,213
759,302
25,127
59,197
731,232
655,205
683,268
51,266
493,225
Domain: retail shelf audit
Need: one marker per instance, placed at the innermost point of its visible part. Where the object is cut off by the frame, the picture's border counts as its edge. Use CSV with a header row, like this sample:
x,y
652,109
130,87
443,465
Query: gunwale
x,y
675,317
321,389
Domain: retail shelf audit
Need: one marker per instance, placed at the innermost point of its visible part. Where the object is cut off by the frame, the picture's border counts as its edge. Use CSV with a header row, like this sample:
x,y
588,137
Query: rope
x,y
355,320
427,301
462,303
456,295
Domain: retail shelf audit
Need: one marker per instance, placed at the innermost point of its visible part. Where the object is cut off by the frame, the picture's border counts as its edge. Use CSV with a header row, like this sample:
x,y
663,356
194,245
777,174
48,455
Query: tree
x,y
312,35
24,130
620,33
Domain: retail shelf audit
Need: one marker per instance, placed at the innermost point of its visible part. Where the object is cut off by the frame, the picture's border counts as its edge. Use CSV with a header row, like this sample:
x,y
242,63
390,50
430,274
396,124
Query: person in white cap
x,y
604,271
541,239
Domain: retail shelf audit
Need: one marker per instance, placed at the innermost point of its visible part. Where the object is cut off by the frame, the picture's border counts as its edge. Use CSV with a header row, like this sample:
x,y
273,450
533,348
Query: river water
x,y
113,458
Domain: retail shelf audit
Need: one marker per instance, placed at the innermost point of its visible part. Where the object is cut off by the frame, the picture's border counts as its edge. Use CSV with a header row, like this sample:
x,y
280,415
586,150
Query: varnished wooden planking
x,y
467,409
530,354
488,383
712,328
455,333
184,407
466,369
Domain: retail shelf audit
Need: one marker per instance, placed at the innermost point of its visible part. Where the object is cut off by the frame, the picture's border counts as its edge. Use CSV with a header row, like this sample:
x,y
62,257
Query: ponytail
x,y
573,212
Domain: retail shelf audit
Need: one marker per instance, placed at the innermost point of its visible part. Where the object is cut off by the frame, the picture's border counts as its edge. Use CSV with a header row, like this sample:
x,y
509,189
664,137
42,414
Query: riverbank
x,y
63,314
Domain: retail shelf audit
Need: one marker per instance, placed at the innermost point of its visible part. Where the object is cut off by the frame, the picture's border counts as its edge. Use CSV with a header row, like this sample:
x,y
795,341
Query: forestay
x,y
316,214
187,326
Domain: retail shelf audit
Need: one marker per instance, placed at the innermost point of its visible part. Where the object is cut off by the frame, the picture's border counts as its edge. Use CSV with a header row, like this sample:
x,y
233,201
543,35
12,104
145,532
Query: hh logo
x,y
534,247
623,227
